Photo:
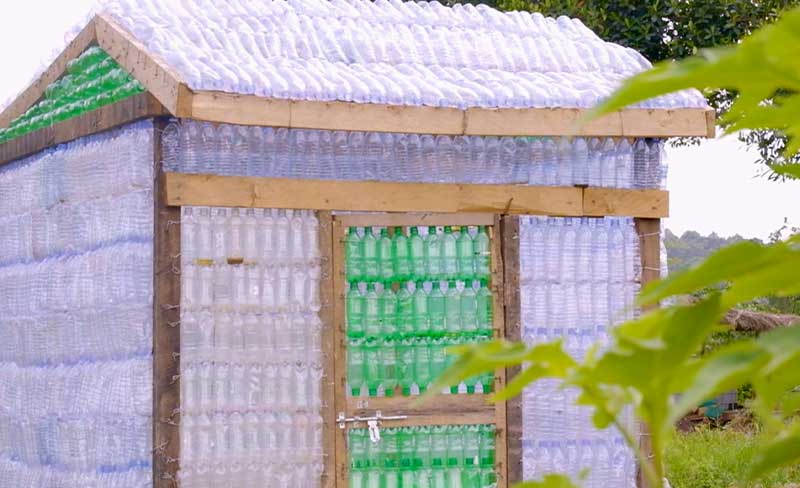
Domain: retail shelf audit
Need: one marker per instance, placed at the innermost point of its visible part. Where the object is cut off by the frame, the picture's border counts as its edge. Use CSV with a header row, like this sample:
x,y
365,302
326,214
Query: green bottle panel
x,y
386,367
92,80
419,309
426,456
405,254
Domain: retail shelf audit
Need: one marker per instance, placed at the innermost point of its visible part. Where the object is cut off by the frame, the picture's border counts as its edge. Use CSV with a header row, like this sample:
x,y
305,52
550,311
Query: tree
x,y
674,29
655,357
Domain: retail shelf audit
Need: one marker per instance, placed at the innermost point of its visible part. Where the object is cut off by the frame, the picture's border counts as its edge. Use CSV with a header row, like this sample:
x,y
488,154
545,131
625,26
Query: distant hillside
x,y
691,247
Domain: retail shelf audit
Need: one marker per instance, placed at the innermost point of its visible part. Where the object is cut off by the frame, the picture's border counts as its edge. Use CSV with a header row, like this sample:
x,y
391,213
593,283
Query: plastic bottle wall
x,y
578,278
251,358
198,147
76,313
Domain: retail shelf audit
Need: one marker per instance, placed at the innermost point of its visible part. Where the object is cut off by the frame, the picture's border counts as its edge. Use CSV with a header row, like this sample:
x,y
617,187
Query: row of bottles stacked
x,y
251,353
439,456
411,294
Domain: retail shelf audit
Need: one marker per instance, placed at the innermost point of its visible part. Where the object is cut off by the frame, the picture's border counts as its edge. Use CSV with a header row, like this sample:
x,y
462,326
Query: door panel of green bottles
x,y
412,292
439,456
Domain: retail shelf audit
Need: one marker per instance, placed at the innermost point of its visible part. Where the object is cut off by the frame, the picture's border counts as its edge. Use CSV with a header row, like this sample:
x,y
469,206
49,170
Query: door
x,y
404,288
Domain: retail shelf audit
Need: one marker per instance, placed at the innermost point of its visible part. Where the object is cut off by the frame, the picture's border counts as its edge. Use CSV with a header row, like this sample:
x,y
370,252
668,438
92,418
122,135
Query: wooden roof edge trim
x,y
35,91
154,73
132,109
220,107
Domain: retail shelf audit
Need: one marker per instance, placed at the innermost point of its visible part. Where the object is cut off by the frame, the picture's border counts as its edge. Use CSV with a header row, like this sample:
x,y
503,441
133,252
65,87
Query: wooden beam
x,y
328,317
427,198
189,189
125,111
600,202
166,336
221,107
35,91
154,73
513,323
649,231
413,219
499,326
340,350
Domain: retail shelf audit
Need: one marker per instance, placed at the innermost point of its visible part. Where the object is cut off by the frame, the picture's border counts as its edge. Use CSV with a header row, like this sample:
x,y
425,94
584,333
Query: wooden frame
x,y
440,409
166,332
649,232
242,191
327,314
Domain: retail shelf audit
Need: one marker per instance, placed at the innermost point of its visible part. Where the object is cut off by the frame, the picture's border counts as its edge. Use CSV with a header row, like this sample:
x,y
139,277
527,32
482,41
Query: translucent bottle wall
x,y
199,147
76,313
578,277
251,357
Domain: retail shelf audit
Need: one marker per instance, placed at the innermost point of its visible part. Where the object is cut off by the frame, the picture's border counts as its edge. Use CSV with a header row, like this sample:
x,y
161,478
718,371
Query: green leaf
x,y
791,170
784,451
549,481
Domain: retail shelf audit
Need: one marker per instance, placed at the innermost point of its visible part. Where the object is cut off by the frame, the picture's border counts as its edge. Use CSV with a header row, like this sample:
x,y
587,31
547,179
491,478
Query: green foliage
x,y
549,481
691,248
715,458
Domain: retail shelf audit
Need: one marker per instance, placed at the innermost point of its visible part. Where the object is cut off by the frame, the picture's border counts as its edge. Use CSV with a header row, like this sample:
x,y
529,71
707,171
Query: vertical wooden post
x,y
327,314
649,231
339,352
513,310
166,330
499,324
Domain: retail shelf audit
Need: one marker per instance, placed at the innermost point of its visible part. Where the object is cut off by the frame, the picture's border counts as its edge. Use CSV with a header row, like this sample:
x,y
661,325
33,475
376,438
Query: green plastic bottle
x,y
486,445
355,366
372,312
400,255
465,252
370,249
471,477
358,440
433,255
452,308
455,455
483,301
416,248
436,311
405,311
438,456
372,365
387,310
385,263
374,455
422,326
449,254
390,459
422,364
355,311
422,457
405,447
483,253
405,364
449,359
353,255
388,366
469,309
437,355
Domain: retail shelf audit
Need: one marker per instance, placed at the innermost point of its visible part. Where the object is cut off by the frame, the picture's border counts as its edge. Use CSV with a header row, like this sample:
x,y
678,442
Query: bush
x,y
710,458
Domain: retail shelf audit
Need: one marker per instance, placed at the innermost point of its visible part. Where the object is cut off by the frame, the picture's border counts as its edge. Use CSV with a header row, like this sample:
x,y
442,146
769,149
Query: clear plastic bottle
x,y
283,237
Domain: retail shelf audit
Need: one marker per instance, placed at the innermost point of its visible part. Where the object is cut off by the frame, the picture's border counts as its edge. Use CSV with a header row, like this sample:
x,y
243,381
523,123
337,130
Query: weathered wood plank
x,y
134,108
186,189
340,351
166,335
240,109
513,324
600,202
499,325
327,315
413,219
154,73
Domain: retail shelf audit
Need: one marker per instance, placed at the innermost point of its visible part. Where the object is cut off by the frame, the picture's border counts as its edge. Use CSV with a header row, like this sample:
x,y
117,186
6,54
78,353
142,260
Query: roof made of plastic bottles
x,y
386,52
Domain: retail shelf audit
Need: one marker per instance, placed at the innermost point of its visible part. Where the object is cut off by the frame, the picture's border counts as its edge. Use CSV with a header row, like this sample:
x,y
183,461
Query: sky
x,y
713,187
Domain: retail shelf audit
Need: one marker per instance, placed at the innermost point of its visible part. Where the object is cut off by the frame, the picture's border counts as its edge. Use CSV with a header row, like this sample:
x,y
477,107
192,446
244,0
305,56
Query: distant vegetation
x,y
692,248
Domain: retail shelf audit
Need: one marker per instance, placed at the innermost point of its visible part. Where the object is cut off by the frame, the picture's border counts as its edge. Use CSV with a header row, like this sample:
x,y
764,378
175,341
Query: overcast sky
x,y
713,188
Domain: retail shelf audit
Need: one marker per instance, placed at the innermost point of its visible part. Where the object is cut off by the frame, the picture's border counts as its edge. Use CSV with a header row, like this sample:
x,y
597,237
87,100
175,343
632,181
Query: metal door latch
x,y
373,423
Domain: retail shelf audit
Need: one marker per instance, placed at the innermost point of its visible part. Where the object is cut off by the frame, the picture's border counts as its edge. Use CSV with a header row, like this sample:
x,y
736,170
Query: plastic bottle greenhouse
x,y
239,238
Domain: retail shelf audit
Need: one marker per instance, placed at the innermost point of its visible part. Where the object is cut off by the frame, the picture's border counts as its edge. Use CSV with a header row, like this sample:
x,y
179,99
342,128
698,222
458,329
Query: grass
x,y
715,458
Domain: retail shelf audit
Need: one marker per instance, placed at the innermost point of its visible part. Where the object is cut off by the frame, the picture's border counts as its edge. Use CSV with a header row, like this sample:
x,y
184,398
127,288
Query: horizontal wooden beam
x,y
134,108
372,196
253,110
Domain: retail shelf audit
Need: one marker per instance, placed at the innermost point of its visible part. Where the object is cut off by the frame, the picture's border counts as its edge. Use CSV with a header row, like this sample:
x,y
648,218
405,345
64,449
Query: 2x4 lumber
x,y
35,91
649,232
513,324
154,73
499,326
131,109
166,334
229,108
339,350
413,219
327,315
371,196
